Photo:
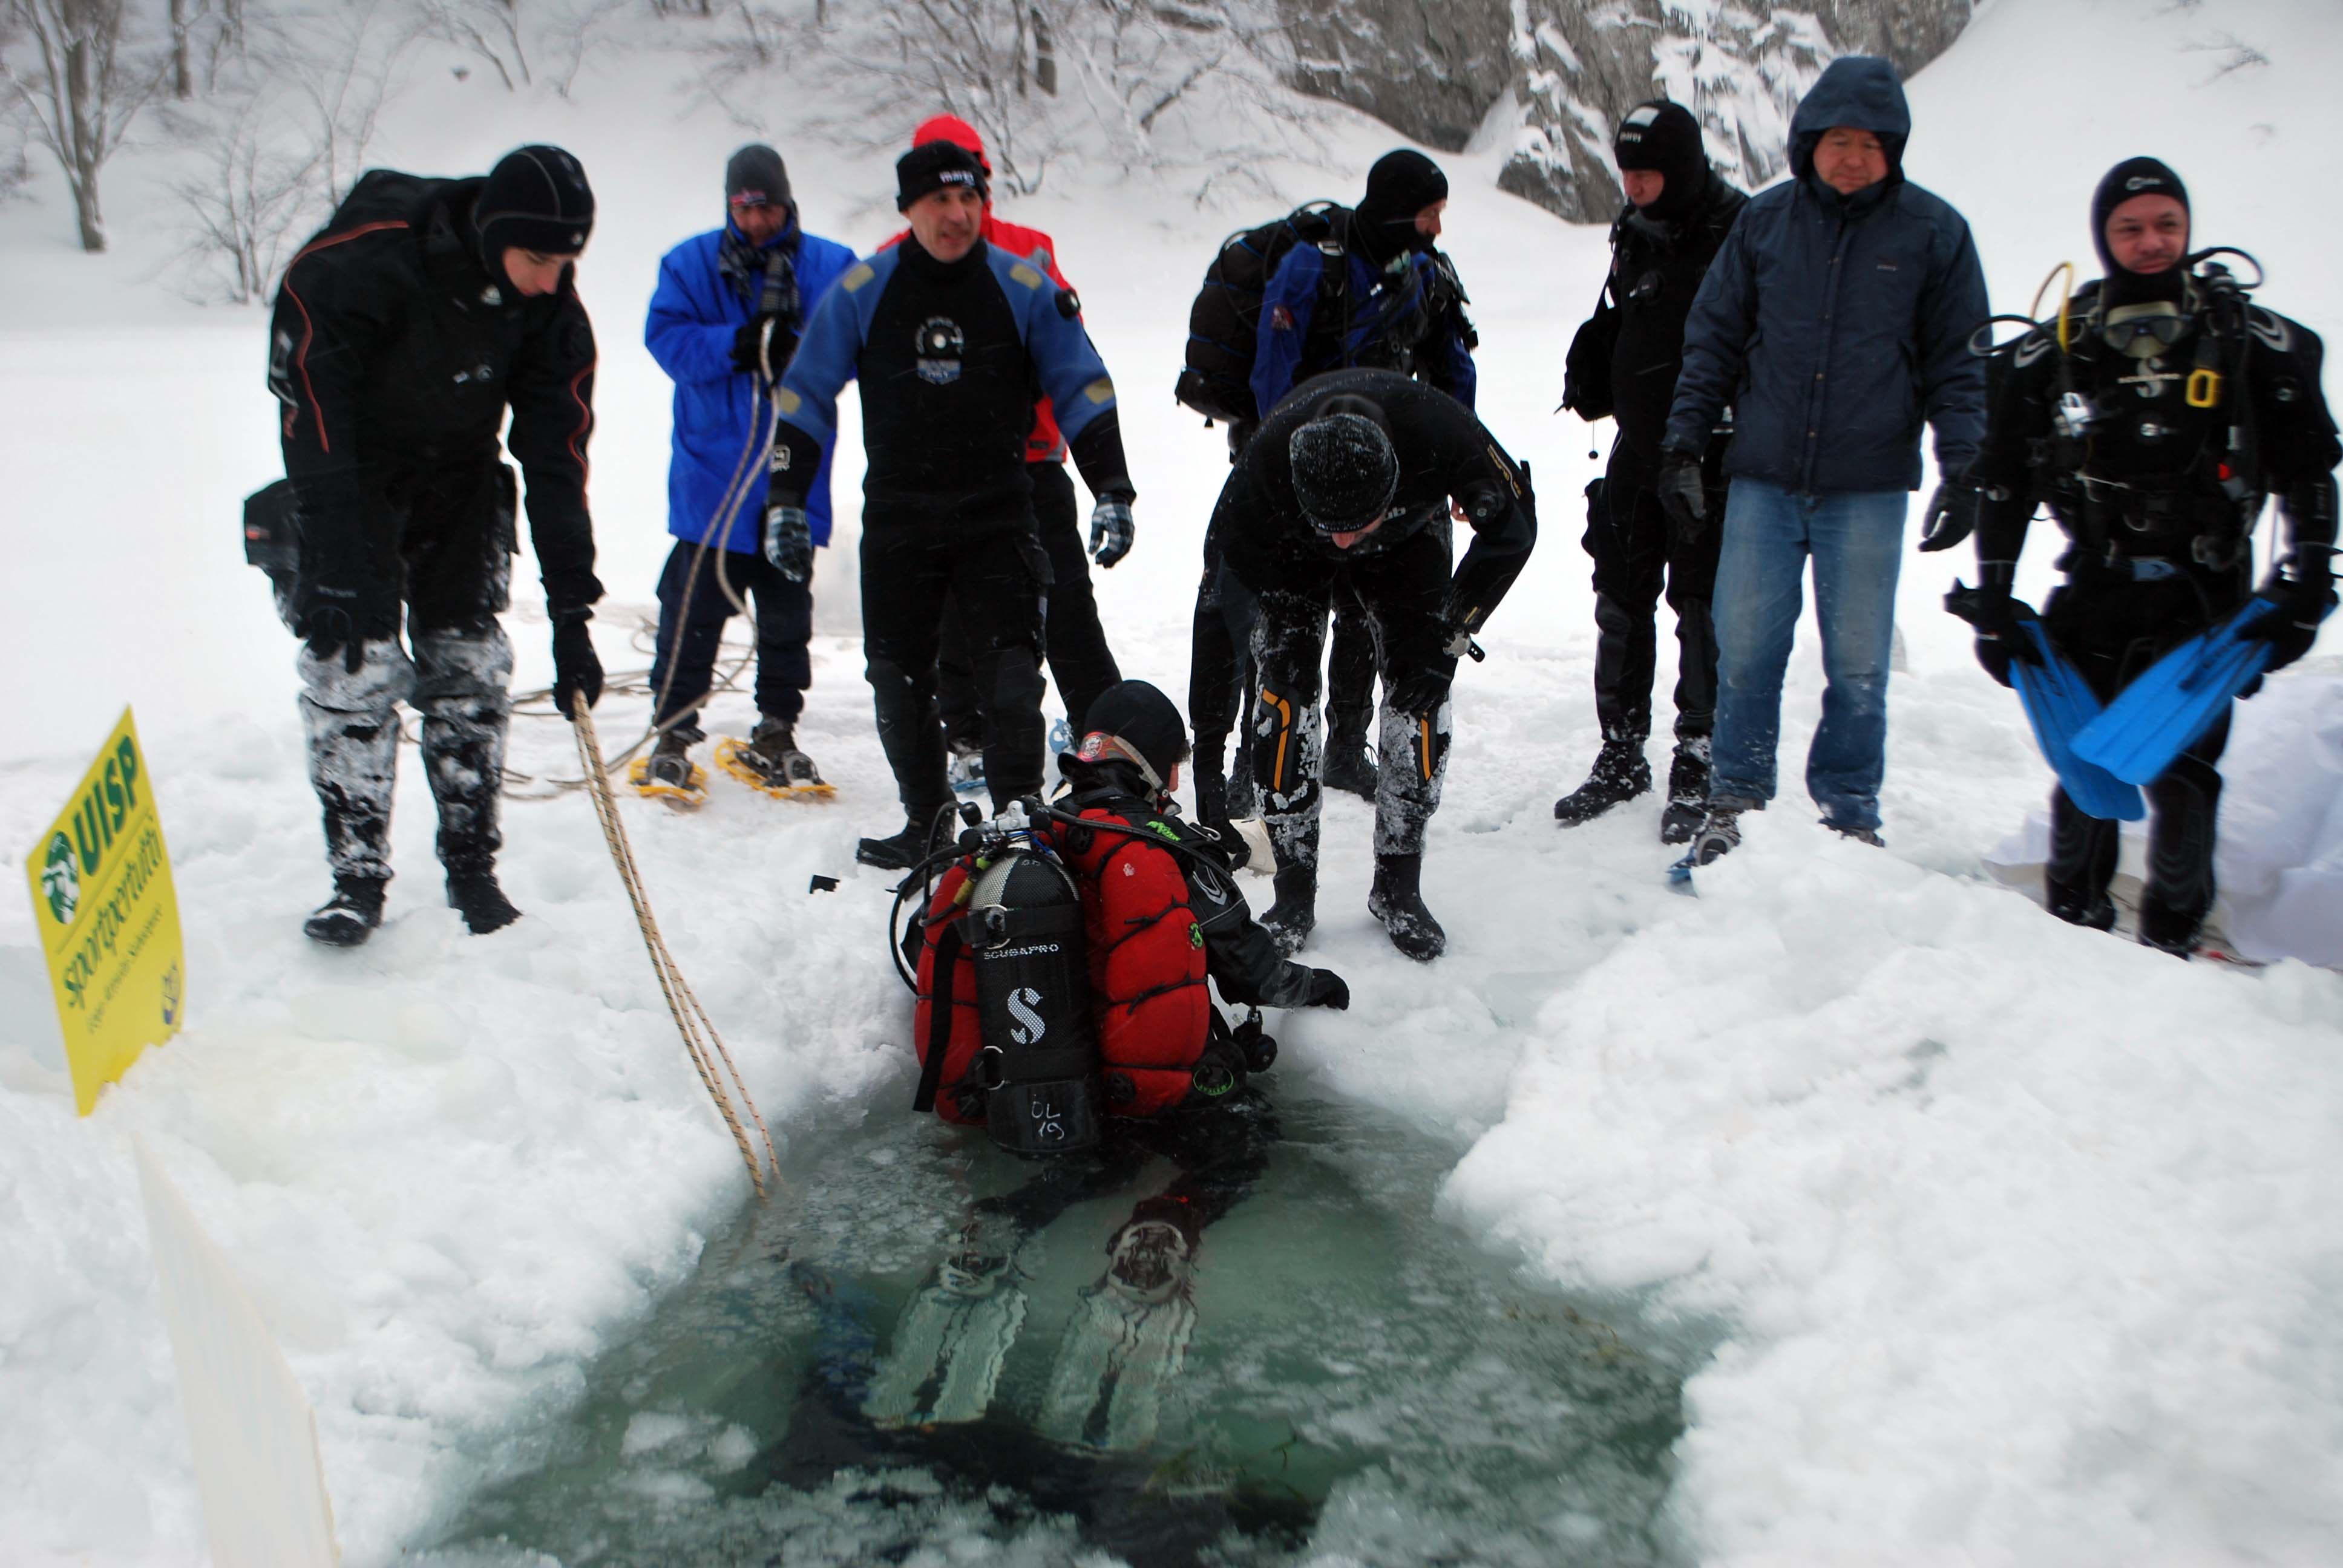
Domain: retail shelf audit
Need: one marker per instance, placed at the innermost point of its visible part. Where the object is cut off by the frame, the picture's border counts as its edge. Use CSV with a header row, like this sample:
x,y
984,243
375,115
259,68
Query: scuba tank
x,y
1038,1062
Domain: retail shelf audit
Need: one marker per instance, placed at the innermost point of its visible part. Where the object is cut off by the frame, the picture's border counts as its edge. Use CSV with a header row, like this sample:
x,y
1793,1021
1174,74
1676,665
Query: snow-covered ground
x,y
2019,1242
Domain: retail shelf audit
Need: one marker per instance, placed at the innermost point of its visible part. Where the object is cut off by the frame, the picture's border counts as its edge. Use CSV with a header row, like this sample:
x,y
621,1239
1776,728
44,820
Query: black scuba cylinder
x,y
1040,1057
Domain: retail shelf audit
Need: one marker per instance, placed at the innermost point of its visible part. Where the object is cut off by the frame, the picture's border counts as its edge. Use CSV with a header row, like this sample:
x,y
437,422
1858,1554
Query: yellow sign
x,y
109,920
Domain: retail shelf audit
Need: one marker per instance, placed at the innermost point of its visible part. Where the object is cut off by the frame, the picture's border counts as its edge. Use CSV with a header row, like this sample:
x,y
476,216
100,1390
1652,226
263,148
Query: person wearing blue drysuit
x,y
723,322
1835,321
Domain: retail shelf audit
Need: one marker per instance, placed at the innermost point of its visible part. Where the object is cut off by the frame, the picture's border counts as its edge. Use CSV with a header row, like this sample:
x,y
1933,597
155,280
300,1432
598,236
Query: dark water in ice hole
x,y
1359,1384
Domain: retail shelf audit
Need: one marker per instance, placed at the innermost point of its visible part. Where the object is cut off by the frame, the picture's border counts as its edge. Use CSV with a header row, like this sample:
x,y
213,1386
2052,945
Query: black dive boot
x,y
473,893
1619,775
1348,767
1397,901
1294,915
1687,792
901,851
351,916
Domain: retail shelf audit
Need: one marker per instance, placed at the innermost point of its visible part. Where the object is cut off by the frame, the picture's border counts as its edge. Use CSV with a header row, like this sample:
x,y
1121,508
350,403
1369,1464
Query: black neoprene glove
x,y
576,668
1683,495
1420,691
340,603
2302,603
1998,619
1327,989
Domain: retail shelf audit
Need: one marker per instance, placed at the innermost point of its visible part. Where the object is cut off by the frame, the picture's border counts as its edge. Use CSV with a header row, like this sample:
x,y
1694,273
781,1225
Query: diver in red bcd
x,y
1063,1005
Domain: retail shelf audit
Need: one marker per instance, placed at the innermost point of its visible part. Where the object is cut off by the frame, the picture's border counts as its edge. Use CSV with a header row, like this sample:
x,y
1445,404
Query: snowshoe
x,y
950,1346
1618,776
669,777
351,916
476,896
1125,1344
1397,901
769,762
1719,836
964,762
1687,793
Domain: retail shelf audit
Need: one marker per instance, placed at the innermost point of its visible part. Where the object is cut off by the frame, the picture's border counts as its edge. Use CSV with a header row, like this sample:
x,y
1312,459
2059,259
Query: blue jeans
x,y
1856,540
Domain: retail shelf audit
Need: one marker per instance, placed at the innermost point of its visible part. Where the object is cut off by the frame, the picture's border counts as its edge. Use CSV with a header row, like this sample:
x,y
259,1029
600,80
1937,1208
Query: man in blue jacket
x,y
724,321
1834,321
951,339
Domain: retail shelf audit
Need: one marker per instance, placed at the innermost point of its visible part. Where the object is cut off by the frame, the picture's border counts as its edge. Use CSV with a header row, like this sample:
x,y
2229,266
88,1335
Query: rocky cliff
x,y
1567,69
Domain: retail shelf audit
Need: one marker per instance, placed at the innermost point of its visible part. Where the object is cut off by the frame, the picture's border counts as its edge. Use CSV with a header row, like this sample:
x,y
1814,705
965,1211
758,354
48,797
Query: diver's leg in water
x,y
945,1360
1128,1341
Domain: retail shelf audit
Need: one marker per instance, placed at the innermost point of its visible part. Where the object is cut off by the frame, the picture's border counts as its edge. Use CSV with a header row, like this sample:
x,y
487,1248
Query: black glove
x,y
2001,635
789,541
1683,494
576,668
1422,690
1327,989
1952,516
2293,626
339,602
753,355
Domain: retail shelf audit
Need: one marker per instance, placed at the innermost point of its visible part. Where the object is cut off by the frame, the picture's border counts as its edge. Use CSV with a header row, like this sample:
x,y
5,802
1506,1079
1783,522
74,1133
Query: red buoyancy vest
x,y
1147,965
1147,993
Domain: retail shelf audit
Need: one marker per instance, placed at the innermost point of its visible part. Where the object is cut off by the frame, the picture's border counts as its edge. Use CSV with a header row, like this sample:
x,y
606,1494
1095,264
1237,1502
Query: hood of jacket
x,y
1858,90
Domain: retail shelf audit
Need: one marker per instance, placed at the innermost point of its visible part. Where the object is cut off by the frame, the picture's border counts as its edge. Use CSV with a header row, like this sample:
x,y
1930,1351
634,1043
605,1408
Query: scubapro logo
x,y
2143,182
1031,1026
940,343
60,882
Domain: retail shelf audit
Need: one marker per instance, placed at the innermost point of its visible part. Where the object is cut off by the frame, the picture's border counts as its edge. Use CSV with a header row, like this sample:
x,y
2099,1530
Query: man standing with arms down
x,y
1622,364
1835,321
404,334
1079,660
950,338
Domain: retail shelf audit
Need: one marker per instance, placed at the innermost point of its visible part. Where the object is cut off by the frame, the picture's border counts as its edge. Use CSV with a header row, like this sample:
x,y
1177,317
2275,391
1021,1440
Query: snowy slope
x,y
2012,1240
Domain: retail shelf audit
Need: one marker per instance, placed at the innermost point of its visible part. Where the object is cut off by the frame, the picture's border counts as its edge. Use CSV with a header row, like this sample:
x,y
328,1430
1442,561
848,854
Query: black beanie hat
x,y
756,177
2132,177
1663,138
1345,470
1144,719
536,199
1401,185
932,166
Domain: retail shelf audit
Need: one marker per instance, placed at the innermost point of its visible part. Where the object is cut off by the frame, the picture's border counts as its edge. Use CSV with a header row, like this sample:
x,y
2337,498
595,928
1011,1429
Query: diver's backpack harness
x,y
1023,909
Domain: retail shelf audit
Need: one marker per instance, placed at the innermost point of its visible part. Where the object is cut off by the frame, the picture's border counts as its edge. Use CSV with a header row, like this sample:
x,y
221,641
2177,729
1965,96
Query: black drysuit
x,y
1624,363
1275,559
950,357
397,355
2158,499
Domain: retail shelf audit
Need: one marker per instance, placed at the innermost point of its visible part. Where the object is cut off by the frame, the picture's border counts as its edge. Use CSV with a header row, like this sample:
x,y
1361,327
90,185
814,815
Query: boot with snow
x,y
348,917
1348,766
473,893
1687,792
671,763
769,762
1720,829
1860,835
667,775
1290,918
1619,775
1397,901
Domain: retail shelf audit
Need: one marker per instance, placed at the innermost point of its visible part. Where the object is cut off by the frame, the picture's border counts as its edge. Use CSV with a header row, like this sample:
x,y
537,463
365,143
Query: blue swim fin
x,y
2179,697
2060,705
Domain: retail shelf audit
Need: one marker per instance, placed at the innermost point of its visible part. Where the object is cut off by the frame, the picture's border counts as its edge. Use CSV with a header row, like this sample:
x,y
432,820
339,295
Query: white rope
x,y
701,1040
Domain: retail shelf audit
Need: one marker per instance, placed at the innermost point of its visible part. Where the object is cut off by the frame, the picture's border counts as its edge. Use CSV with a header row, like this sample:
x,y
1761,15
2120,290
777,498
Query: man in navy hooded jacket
x,y
724,321
1835,322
